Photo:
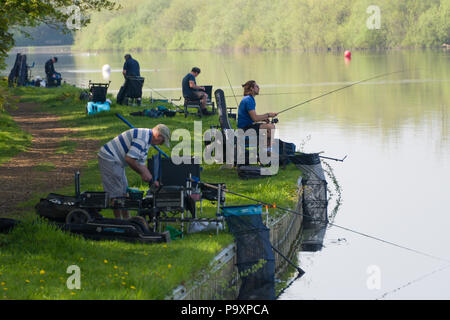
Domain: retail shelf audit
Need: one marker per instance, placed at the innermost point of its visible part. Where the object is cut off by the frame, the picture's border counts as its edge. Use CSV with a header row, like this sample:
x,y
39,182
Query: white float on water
x,y
106,71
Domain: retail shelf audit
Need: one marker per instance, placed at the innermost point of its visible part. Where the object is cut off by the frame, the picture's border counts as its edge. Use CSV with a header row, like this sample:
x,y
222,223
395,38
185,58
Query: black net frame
x,y
255,257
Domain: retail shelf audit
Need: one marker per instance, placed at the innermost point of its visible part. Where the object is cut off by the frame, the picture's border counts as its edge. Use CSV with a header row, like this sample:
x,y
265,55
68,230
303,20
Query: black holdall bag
x,y
6,225
121,95
286,151
55,207
250,172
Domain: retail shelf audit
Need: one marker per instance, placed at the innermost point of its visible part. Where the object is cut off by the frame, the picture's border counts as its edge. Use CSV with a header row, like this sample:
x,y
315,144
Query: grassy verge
x,y
66,146
12,139
36,255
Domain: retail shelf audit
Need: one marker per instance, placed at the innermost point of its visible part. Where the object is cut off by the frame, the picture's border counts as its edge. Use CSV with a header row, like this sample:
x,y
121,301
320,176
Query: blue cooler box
x,y
96,107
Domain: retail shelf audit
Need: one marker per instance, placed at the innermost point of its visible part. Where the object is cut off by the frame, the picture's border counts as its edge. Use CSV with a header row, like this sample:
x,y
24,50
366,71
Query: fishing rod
x,y
342,88
335,159
131,126
274,94
158,93
232,90
300,271
341,160
273,205
169,100
414,281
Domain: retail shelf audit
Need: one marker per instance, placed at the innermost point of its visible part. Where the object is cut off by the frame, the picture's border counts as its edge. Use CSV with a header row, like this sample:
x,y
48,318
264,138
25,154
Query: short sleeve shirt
x,y
133,143
187,90
247,104
132,67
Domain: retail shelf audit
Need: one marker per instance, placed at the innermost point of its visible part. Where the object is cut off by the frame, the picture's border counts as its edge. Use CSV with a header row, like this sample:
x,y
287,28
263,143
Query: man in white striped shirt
x,y
128,149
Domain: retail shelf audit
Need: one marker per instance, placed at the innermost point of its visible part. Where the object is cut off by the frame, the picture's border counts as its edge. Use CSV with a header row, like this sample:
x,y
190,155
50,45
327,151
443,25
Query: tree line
x,y
268,24
18,15
42,35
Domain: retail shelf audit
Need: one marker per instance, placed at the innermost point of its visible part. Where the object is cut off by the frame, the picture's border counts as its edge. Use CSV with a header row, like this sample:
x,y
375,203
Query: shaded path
x,y
40,169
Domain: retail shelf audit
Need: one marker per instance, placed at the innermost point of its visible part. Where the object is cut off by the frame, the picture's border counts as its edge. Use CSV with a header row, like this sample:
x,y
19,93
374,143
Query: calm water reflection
x,y
395,131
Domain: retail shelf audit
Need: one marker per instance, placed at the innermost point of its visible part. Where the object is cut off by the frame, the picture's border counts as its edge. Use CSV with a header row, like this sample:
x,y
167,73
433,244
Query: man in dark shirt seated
x,y
131,67
247,116
52,75
193,92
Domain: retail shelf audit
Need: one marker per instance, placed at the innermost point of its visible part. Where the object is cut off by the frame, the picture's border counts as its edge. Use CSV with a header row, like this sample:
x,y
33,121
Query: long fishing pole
x,y
342,88
414,281
232,90
300,271
170,100
329,223
335,159
274,94
131,126
158,93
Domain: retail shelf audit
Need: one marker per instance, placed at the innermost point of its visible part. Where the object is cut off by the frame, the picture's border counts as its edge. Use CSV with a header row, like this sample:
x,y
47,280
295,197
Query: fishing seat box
x,y
170,198
170,174
98,200
98,91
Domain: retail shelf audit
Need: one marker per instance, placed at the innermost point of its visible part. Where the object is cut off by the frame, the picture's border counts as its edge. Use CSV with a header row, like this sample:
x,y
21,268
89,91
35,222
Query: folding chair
x,y
225,125
98,91
195,103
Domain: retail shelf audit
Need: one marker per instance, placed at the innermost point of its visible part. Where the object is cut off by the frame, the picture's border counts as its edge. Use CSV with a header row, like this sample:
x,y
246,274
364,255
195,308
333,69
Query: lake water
x,y
395,131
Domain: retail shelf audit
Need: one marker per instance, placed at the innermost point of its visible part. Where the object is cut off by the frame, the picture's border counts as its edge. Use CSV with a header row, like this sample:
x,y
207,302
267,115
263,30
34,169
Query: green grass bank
x,y
35,256
12,139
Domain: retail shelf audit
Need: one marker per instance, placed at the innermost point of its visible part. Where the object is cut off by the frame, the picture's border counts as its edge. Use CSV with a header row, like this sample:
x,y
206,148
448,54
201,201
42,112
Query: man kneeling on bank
x,y
128,149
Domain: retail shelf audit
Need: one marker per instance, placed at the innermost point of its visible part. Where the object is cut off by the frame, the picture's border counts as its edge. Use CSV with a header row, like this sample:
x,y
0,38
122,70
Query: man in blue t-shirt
x,y
193,92
247,116
131,67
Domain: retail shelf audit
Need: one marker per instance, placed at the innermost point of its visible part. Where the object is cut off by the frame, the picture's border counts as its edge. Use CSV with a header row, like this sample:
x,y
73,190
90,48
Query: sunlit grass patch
x,y
44,167
66,146
12,139
36,255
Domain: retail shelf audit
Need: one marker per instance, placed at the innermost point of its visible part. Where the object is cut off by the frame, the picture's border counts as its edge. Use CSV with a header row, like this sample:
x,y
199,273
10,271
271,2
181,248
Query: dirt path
x,y
40,169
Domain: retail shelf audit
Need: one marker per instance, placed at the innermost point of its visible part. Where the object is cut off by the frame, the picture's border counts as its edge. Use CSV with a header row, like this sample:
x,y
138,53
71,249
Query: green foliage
x,y
32,13
12,139
40,36
265,24
19,14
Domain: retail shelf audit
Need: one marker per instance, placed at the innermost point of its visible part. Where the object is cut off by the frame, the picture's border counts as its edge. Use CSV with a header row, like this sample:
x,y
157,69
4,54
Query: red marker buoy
x,y
347,54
